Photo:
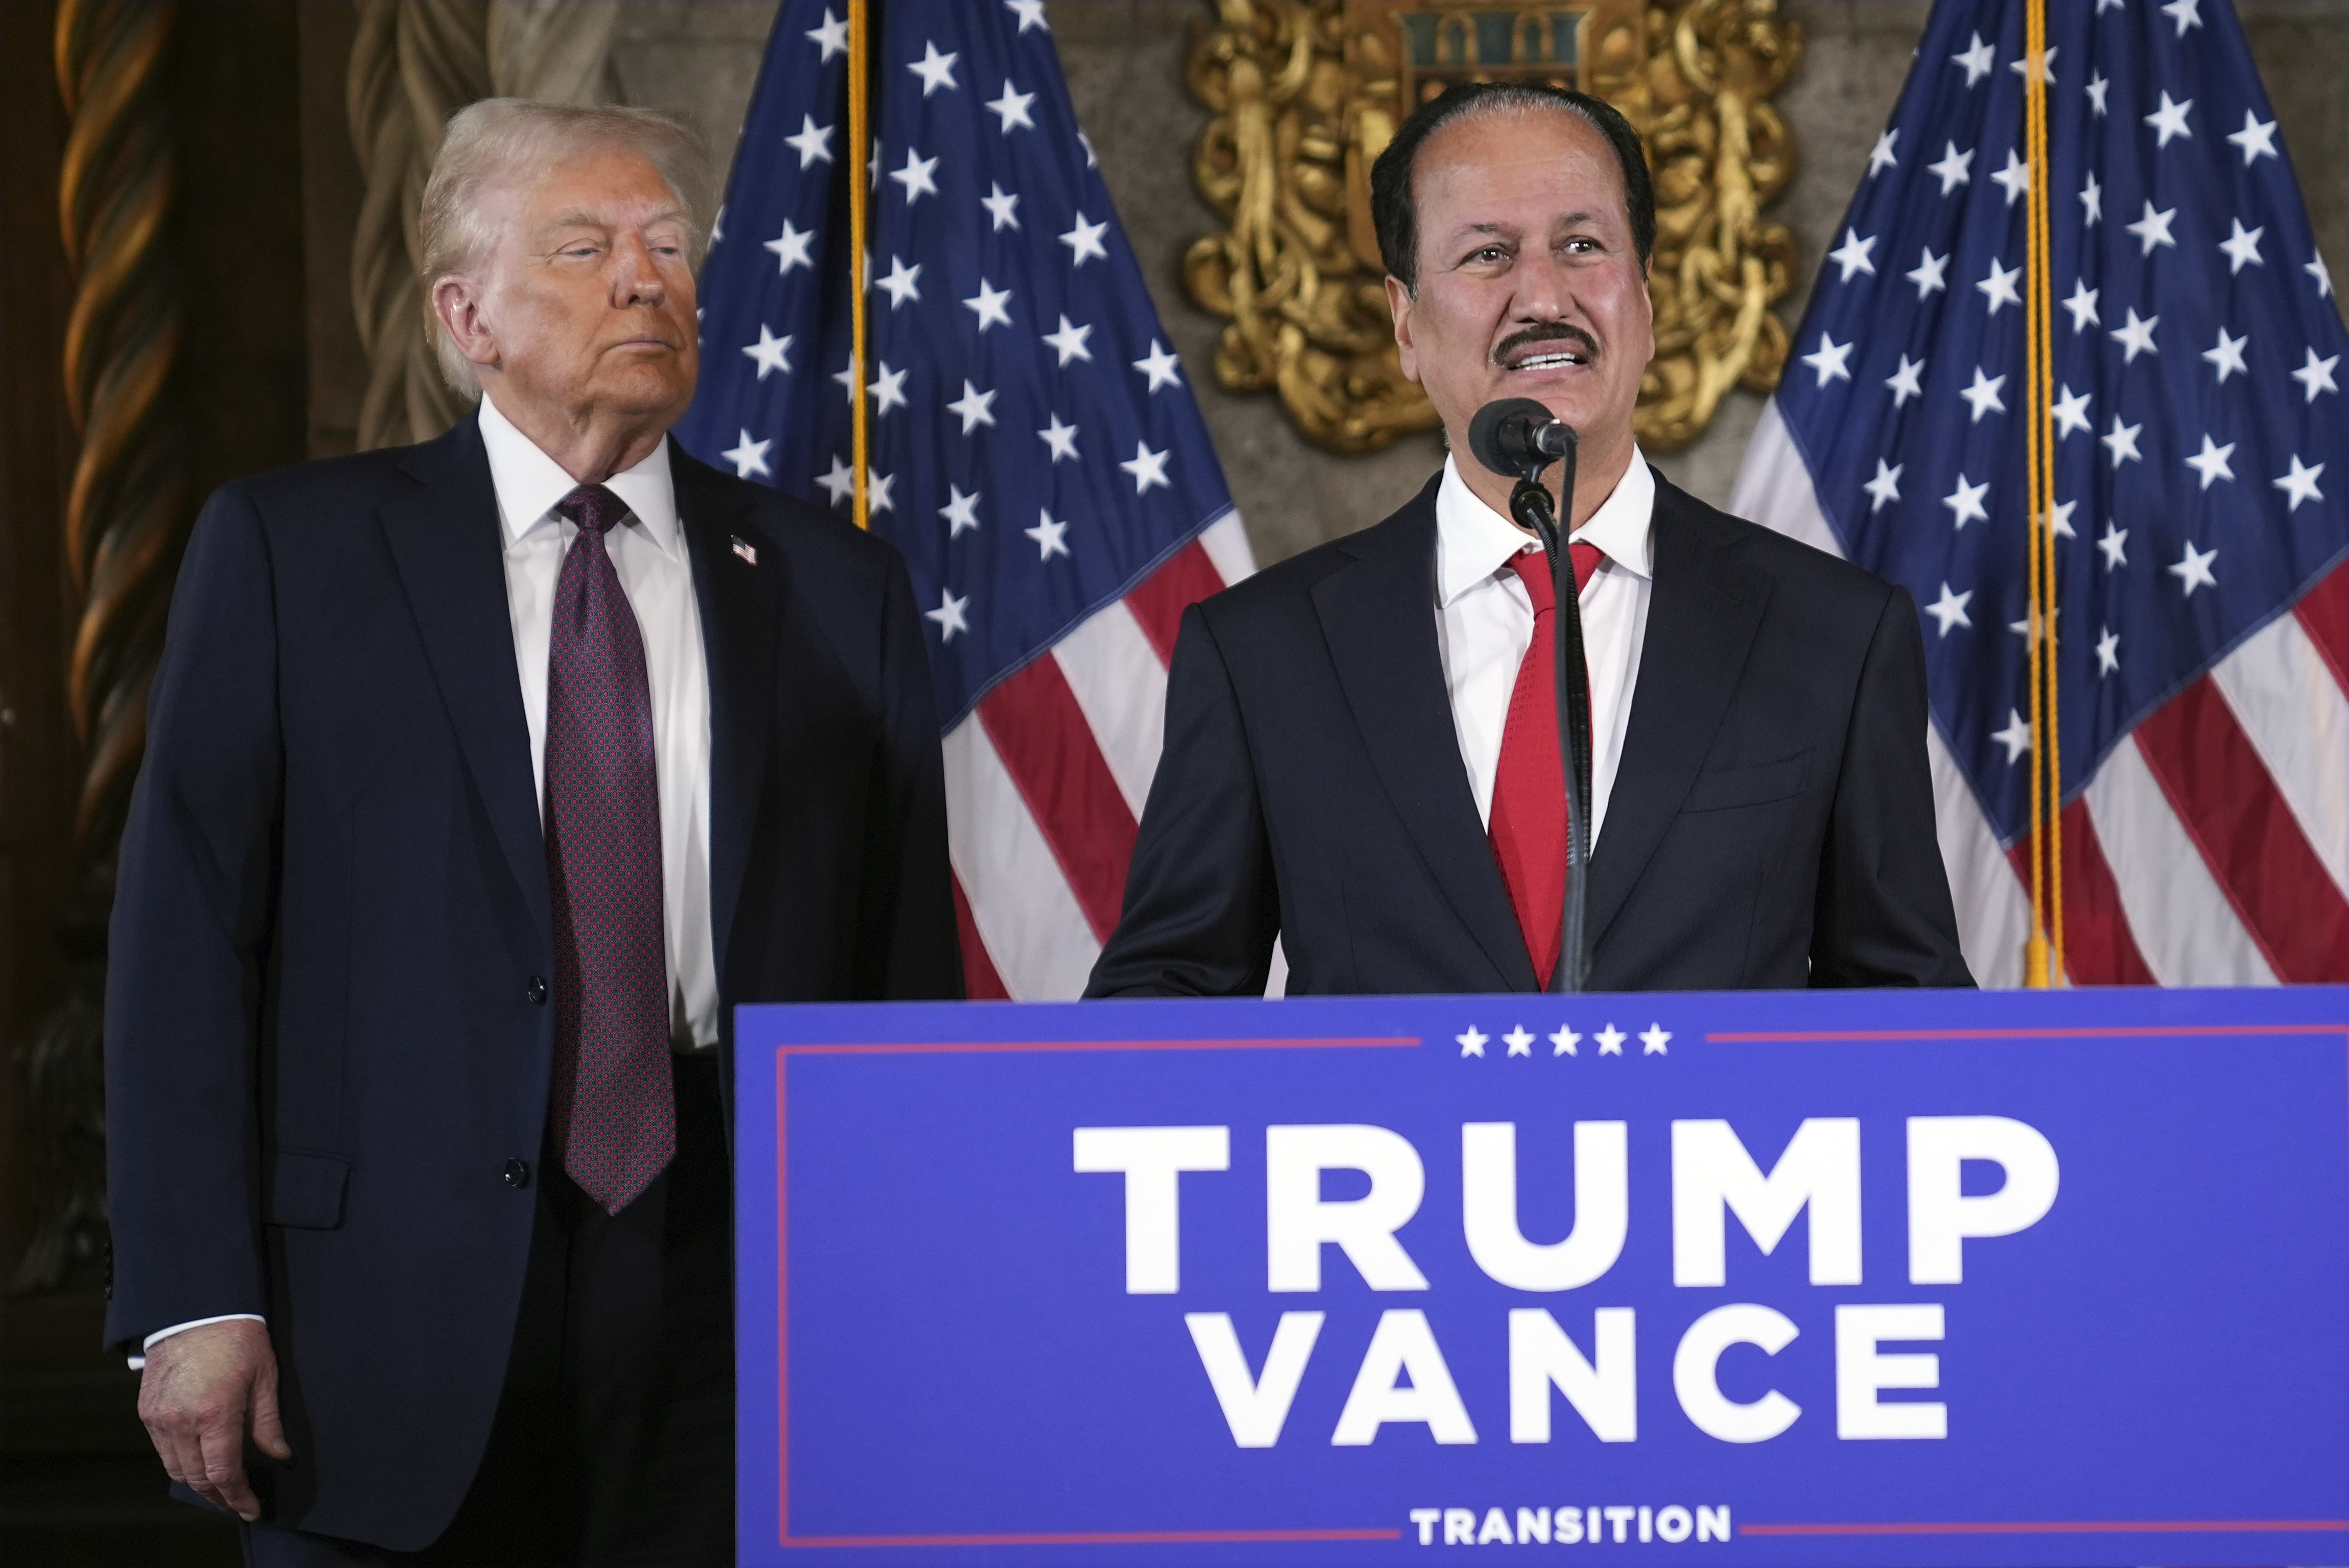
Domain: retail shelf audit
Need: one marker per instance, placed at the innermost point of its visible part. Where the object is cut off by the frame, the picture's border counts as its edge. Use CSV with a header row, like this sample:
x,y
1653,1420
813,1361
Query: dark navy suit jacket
x,y
328,1021
1771,822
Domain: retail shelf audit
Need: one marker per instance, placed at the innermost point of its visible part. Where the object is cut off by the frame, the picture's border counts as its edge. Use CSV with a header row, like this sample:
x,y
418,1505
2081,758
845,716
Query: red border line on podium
x,y
2068,1527
783,1295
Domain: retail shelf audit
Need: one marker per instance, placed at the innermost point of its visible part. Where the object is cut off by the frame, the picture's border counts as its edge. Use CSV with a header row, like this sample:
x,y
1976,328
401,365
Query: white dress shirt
x,y
1485,623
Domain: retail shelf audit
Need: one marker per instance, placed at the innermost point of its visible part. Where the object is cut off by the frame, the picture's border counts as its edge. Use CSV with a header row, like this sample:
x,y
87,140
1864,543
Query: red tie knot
x,y
1532,567
592,507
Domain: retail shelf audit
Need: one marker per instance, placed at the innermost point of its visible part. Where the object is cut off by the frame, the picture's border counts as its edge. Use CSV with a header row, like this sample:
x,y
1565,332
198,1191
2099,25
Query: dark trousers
x,y
614,1442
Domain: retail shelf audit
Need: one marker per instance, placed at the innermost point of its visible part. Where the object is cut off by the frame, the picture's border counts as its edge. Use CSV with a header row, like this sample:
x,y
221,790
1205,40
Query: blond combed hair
x,y
496,146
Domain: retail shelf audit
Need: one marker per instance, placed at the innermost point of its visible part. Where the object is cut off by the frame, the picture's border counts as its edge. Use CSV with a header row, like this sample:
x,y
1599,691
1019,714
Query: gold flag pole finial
x,y
860,447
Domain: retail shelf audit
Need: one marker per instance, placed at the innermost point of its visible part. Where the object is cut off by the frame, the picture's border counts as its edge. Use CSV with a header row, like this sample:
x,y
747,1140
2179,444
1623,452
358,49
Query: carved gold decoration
x,y
1307,93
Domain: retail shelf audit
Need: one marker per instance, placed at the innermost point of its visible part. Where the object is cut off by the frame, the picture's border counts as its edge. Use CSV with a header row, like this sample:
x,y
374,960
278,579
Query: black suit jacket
x,y
328,1021
1771,822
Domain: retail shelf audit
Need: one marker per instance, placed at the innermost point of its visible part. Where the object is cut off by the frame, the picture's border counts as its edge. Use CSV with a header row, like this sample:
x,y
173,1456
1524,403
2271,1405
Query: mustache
x,y
1546,332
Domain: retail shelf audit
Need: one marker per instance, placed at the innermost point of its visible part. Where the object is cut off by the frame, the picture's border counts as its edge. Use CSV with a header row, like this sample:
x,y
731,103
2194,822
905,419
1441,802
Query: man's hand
x,y
201,1389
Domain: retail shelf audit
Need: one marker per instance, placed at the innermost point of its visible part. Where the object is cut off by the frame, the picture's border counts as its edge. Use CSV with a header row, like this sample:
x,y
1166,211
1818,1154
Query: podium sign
x,y
1834,1278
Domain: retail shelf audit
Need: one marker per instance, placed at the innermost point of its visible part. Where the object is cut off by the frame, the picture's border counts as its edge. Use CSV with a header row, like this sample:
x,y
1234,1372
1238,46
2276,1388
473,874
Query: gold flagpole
x,y
860,446
2044,958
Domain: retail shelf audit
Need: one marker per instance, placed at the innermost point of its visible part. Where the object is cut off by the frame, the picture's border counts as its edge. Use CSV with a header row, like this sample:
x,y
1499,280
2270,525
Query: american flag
x,y
1035,452
2201,485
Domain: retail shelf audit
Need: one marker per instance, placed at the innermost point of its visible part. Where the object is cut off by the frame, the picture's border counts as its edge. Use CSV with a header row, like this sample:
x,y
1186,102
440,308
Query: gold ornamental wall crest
x,y
1307,93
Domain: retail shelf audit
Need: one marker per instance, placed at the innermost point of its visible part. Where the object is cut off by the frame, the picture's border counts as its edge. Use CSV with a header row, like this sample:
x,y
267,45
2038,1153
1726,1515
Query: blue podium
x,y
1775,1278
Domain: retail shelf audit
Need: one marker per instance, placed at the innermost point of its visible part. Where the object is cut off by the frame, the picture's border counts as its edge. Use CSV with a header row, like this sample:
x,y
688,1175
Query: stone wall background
x,y
1125,64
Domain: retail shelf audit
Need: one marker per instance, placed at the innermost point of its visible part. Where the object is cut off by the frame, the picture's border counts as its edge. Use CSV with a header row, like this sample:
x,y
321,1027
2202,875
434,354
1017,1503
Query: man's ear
x,y
1399,303
457,300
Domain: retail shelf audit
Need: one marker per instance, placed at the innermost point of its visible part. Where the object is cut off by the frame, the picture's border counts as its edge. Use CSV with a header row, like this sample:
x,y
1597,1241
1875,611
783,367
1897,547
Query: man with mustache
x,y
1361,755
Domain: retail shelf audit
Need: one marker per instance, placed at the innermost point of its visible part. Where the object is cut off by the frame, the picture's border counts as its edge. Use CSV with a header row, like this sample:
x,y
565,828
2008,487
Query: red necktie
x,y
1528,817
614,1112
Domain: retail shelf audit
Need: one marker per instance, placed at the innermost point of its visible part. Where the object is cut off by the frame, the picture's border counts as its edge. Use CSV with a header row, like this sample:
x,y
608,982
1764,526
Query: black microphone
x,y
1518,436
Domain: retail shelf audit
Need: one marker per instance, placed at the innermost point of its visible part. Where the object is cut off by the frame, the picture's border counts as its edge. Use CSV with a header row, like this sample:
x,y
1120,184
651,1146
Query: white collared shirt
x,y
1485,622
649,553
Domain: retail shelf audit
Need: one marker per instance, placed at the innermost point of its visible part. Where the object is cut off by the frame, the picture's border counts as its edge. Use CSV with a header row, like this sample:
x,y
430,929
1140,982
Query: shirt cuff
x,y
138,1362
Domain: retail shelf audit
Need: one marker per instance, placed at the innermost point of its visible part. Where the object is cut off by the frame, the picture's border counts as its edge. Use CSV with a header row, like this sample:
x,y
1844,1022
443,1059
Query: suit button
x,y
517,1173
537,989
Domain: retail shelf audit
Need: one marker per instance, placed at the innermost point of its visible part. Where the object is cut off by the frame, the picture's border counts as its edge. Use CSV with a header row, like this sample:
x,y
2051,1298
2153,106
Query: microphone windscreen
x,y
1498,435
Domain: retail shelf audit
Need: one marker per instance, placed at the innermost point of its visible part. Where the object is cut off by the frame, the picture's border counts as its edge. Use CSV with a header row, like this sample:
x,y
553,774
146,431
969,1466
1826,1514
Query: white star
x,y
1160,365
999,205
1885,487
990,305
1954,170
1562,1043
1085,239
2186,13
1982,396
2211,463
1611,1041
2096,87
2108,653
2300,483
749,457
2134,336
2153,229
832,38
1904,382
2193,569
888,389
2113,543
2092,204
1521,1044
917,177
1029,11
2014,179
1881,159
840,483
1069,342
2121,441
1998,287
1828,359
936,70
2059,520
1048,535
975,407
2015,736
2242,250
1977,59
1472,1043
900,285
1930,274
773,353
2072,413
1966,501
2256,138
1062,438
961,512
846,376
2314,377
813,142
717,227
2314,267
873,165
1652,1040
1852,255
2028,627
2168,121
1087,143
2044,65
876,492
2083,306
791,248
1012,108
2228,355
1148,468
1950,610
948,615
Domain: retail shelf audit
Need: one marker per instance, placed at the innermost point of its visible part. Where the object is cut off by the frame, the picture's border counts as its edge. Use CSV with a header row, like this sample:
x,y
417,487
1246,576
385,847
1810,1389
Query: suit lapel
x,y
737,597
1378,618
1702,616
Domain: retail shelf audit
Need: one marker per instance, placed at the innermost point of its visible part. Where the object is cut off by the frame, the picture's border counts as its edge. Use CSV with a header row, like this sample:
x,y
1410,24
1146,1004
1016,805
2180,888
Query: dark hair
x,y
1394,208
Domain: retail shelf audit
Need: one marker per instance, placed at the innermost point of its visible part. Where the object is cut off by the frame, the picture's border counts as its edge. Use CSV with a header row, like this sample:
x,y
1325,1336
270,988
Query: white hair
x,y
496,146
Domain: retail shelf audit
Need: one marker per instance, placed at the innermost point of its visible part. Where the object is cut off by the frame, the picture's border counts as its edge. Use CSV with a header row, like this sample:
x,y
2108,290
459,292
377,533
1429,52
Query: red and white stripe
x,y
1046,779
2210,848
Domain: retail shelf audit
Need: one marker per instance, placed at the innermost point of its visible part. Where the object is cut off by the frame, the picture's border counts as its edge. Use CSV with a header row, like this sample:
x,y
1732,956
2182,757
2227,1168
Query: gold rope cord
x,y
2043,960
860,130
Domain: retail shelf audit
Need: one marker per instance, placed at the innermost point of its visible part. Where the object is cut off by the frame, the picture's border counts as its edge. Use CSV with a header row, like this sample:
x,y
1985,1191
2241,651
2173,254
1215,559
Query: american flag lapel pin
x,y
743,550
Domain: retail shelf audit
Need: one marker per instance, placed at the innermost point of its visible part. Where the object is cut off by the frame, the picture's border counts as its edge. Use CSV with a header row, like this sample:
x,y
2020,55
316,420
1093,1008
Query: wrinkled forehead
x,y
1517,162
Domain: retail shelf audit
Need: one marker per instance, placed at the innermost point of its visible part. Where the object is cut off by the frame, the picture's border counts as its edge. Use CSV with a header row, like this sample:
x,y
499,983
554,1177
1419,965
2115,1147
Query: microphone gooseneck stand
x,y
1530,505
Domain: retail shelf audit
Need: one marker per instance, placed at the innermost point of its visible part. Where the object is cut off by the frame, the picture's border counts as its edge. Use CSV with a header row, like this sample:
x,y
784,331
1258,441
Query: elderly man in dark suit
x,y
483,778
1360,754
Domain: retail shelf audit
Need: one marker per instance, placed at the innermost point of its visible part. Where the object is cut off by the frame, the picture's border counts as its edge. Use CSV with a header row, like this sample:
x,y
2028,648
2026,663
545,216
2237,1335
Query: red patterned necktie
x,y
614,1113
1528,816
